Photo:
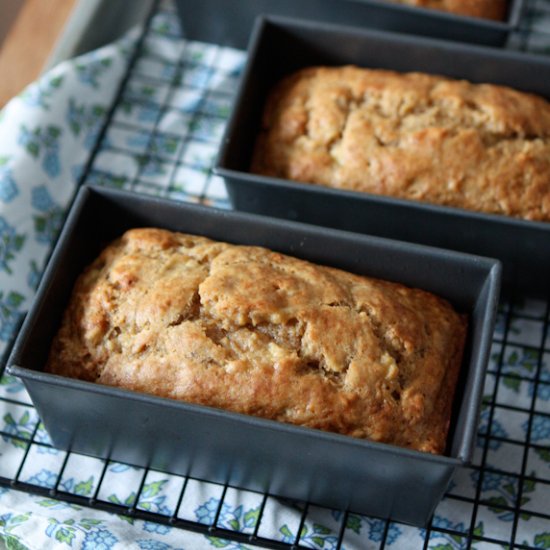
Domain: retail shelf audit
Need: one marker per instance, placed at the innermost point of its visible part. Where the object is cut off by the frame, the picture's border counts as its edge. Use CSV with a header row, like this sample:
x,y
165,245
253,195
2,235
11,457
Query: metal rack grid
x,y
161,135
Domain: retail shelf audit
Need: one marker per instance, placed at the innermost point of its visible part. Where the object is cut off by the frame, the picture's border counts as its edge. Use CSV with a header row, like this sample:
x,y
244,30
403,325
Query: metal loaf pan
x,y
229,22
231,448
280,46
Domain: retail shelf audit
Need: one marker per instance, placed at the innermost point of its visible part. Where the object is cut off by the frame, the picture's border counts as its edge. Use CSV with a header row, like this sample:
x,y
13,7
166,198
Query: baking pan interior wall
x,y
230,22
243,451
280,46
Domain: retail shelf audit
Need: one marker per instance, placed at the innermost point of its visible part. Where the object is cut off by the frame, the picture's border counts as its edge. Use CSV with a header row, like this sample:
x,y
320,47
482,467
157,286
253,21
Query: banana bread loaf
x,y
254,331
415,136
489,9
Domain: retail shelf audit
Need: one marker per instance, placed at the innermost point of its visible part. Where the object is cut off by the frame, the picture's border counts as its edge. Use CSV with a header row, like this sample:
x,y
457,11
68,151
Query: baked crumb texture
x,y
413,136
489,9
254,331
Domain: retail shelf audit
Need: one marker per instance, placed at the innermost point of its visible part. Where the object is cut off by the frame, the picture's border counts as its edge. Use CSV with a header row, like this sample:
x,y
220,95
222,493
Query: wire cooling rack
x,y
161,137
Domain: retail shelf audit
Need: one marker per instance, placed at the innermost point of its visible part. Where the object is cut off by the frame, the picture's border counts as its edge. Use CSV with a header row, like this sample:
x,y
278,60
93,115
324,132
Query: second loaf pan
x,y
244,451
229,22
280,46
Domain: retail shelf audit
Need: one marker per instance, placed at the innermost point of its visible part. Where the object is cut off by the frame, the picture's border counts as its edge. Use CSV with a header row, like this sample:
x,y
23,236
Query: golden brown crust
x,y
257,332
488,9
414,136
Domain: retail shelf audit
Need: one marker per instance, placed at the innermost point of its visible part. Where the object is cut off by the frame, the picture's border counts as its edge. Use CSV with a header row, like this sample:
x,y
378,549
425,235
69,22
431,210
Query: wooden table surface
x,y
30,42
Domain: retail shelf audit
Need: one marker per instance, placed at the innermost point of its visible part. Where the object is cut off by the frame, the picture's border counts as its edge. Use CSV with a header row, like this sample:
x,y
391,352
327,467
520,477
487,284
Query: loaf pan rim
x,y
213,412
273,181
511,22
394,35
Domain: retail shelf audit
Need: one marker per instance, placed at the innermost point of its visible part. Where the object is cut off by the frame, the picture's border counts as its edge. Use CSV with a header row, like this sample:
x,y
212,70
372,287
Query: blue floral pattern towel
x,y
46,136
162,139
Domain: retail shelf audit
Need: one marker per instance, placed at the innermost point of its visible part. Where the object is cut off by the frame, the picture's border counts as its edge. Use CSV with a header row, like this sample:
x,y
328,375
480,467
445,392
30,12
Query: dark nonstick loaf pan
x,y
230,22
280,46
231,448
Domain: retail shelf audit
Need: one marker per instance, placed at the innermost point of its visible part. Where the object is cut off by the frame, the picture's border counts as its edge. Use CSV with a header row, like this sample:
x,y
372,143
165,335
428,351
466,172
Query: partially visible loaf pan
x,y
488,9
410,135
256,332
